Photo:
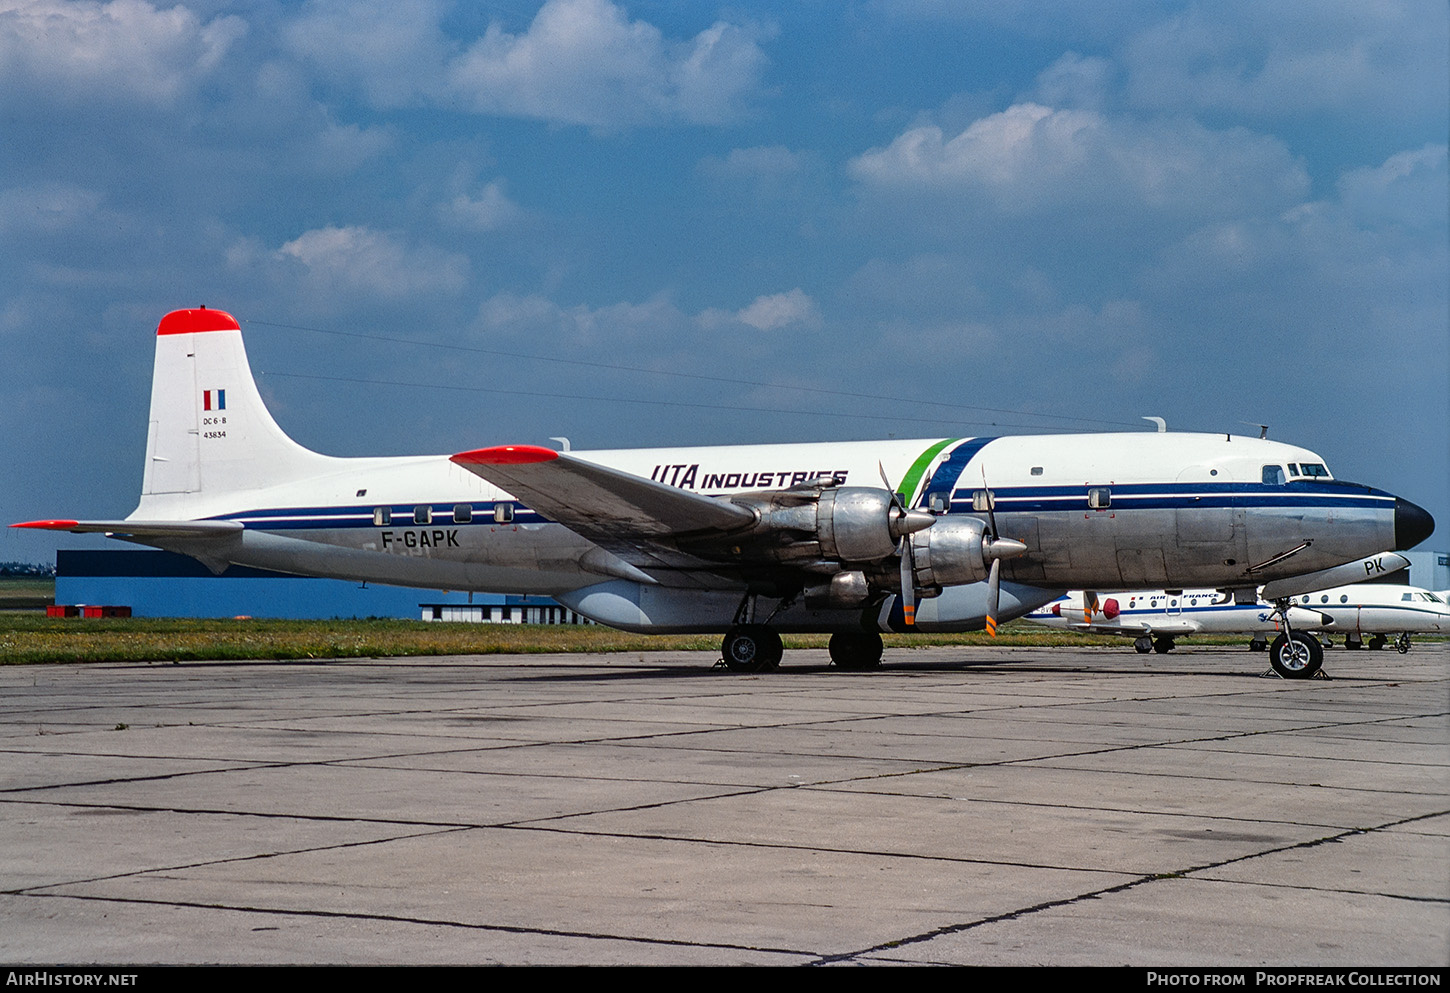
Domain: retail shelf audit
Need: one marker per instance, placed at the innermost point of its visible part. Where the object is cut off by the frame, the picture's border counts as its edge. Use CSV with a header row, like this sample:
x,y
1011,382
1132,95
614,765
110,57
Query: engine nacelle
x,y
853,524
949,553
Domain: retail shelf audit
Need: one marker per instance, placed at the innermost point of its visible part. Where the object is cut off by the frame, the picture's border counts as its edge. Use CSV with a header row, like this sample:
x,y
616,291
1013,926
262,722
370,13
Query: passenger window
x,y
938,503
983,500
382,517
1100,497
1273,475
1037,470
1344,598
503,513
423,514
463,513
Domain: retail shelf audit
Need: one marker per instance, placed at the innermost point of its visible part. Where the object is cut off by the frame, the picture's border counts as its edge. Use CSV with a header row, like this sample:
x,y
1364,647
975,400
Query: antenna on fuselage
x,y
1263,428
563,443
1162,424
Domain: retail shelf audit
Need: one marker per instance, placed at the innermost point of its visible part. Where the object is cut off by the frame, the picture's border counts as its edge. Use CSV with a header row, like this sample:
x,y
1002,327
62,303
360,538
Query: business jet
x,y
851,539
1155,619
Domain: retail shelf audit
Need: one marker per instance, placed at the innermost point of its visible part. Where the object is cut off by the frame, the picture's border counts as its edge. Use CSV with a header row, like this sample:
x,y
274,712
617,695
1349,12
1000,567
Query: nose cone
x,y
1412,524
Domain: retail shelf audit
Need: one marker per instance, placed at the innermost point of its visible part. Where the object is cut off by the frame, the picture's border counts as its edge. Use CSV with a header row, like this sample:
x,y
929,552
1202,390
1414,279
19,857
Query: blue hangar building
x,y
163,584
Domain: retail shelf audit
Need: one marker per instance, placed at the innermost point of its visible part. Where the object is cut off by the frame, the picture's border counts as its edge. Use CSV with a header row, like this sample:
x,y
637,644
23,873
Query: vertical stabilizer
x,y
210,432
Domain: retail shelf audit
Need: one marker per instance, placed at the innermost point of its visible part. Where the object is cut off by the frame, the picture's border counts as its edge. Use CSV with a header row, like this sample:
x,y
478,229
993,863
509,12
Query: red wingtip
x,y
200,319
505,455
47,525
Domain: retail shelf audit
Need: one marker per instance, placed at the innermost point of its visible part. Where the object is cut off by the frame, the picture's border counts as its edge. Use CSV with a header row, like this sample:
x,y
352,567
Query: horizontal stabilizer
x,y
141,529
599,502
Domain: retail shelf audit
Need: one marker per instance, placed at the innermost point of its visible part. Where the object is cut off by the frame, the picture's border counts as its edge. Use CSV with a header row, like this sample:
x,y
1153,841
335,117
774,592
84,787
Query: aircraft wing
x,y
141,529
601,503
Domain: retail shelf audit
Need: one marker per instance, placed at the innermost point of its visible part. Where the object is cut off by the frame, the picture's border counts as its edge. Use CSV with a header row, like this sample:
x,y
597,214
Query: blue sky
x,y
446,225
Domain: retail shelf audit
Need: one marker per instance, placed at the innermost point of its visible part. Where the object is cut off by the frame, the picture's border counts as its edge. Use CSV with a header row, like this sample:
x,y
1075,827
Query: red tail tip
x,y
199,319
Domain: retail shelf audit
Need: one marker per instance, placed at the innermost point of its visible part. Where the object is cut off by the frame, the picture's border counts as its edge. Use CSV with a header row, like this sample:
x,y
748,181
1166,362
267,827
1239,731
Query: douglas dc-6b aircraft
x,y
851,538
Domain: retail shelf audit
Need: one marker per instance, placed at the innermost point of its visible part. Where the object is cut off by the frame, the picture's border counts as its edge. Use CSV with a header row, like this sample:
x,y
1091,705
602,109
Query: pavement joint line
x,y
1121,887
430,922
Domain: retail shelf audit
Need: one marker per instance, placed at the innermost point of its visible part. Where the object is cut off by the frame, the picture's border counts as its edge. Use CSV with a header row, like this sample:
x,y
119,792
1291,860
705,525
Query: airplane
x,y
752,540
1155,619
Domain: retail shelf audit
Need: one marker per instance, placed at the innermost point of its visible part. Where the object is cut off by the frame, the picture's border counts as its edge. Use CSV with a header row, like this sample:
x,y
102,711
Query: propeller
x,y
1089,605
995,547
904,524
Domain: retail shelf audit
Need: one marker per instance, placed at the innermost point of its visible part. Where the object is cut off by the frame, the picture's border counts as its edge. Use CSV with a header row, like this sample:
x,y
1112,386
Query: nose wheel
x,y
1298,656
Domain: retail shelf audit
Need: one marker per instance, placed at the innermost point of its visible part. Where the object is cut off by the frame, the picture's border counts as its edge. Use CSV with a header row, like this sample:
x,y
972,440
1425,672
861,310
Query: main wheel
x,y
1162,645
751,648
1296,658
856,649
1143,645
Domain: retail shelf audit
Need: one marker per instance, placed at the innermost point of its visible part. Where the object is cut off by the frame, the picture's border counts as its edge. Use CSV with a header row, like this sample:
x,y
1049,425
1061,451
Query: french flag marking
x,y
220,398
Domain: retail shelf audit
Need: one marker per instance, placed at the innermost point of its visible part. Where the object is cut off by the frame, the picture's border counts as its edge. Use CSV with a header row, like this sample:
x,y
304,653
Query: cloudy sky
x,y
451,224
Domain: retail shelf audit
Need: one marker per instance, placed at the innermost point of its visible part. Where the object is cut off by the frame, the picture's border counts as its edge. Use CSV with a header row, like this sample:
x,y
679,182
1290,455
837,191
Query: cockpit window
x,y
1273,475
1314,470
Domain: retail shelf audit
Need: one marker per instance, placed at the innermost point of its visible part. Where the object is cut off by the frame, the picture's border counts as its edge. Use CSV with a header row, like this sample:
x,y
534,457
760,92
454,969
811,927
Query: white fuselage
x,y
1362,608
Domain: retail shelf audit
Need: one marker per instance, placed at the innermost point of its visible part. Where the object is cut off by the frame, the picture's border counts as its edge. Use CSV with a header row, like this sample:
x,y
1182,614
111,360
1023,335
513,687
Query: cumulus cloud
x,y
762,162
1031,157
123,50
585,62
489,210
772,312
1274,60
1407,189
578,62
361,261
781,310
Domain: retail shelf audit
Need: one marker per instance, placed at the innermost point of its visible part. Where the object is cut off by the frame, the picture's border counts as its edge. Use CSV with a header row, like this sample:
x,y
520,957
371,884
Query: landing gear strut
x,y
1294,655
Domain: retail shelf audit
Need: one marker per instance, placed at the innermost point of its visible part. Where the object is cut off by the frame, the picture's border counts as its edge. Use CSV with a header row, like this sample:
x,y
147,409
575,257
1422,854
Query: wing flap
x,y
597,501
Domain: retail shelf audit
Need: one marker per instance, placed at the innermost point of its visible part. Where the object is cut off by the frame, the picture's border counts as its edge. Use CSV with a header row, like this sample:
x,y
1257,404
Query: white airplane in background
x,y
1155,619
747,540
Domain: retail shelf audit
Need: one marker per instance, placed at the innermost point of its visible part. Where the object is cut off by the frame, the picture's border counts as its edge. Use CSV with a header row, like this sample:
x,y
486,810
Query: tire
x,y
751,648
856,650
1143,645
1402,644
1298,658
1162,645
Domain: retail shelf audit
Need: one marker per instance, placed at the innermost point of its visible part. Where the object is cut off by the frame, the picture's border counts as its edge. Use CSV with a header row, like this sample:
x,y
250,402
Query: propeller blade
x,y
1089,605
994,595
908,582
903,526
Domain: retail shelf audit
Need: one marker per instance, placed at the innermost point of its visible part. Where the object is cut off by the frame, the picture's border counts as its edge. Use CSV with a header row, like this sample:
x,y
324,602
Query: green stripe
x,y
918,469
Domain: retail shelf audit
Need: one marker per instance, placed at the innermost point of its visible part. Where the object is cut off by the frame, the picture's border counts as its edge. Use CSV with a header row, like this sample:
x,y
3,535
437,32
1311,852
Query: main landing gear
x,y
751,648
1161,644
856,650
